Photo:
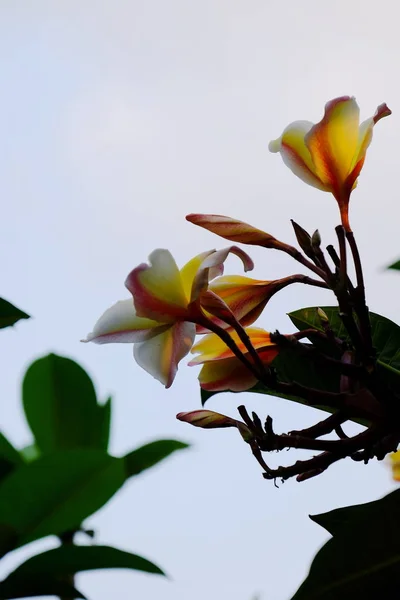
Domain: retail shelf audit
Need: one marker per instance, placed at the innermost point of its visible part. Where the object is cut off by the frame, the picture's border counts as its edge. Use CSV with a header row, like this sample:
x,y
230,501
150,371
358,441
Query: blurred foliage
x,y
52,486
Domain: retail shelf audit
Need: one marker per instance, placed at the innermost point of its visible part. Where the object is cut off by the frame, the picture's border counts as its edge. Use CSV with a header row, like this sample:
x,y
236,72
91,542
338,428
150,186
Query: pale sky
x,y
117,118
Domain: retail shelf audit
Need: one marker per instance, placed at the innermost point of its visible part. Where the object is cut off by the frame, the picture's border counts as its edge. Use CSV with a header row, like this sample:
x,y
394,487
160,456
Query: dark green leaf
x,y
58,491
291,366
10,314
71,559
362,559
61,406
9,457
385,334
150,454
33,586
395,266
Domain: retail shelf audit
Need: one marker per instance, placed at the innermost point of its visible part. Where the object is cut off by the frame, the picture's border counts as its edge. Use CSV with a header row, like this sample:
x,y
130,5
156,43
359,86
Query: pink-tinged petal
x,y
161,355
333,142
234,230
364,140
207,419
157,288
120,324
296,155
212,348
212,305
213,262
229,374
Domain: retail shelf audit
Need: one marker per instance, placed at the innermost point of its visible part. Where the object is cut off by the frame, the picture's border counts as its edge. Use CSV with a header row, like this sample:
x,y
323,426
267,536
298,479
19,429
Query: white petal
x,y
120,324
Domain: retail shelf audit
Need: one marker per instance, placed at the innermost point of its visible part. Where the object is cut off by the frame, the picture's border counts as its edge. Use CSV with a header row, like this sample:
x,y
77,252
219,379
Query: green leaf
x,y
10,314
291,366
362,559
58,491
33,586
150,454
61,407
395,266
385,334
71,559
336,520
9,457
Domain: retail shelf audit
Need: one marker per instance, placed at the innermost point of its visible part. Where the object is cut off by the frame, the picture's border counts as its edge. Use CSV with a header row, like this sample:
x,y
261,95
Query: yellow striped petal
x,y
333,142
161,355
296,155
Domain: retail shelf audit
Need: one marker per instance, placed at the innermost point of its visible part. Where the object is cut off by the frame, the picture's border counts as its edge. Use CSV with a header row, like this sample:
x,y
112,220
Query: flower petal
x,y
296,155
229,374
234,230
161,355
212,348
157,288
214,262
246,297
120,324
333,142
189,272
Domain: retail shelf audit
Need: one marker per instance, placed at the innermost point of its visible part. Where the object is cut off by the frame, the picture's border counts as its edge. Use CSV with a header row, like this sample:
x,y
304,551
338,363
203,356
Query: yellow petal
x,y
157,288
296,155
228,374
212,348
334,140
189,272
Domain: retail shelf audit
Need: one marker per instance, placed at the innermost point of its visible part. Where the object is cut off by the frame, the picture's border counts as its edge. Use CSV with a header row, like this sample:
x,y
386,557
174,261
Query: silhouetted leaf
x,y
395,266
33,586
336,520
10,314
150,454
72,559
58,491
362,559
61,406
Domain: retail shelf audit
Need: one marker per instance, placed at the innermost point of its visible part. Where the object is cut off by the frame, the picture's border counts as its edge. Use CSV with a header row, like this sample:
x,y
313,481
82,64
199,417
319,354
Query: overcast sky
x,y
119,117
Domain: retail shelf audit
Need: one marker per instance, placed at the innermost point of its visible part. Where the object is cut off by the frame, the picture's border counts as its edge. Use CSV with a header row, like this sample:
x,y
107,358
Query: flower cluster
x,y
169,307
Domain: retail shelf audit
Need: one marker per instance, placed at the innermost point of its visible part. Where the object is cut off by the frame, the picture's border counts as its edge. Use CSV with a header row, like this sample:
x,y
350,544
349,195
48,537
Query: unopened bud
x,y
303,239
316,239
323,316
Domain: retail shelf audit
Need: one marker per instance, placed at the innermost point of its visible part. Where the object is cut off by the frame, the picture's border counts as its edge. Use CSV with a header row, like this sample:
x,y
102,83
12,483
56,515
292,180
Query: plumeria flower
x,y
167,302
222,369
330,154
